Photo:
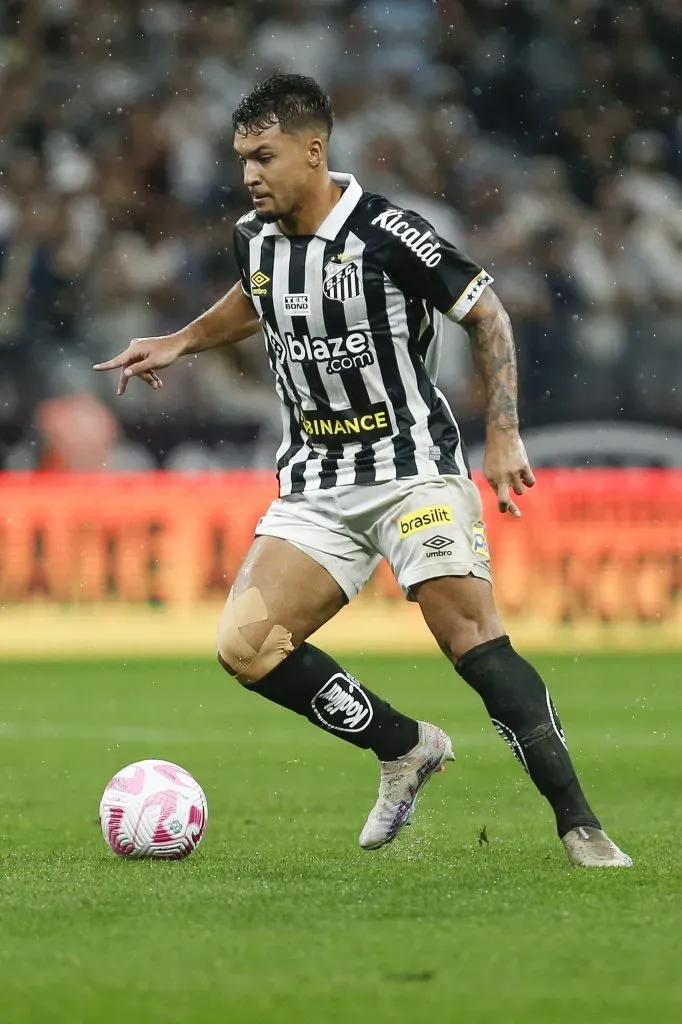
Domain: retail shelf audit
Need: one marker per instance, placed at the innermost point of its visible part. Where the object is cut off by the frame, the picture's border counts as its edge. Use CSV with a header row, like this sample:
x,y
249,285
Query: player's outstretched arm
x,y
231,319
505,465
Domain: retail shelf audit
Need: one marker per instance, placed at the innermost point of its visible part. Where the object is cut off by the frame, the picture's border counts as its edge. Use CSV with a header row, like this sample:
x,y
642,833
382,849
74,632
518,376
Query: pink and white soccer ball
x,y
153,809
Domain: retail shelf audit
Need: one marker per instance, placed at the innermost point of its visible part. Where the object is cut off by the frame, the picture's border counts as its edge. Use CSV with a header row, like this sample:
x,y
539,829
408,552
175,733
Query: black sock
x,y
312,684
522,711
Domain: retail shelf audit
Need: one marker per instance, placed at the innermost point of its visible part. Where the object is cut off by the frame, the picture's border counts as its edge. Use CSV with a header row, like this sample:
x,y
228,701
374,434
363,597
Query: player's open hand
x,y
506,467
143,357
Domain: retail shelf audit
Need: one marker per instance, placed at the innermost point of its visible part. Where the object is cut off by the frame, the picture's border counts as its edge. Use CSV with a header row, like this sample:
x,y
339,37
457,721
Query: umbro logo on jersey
x,y
423,244
342,281
259,280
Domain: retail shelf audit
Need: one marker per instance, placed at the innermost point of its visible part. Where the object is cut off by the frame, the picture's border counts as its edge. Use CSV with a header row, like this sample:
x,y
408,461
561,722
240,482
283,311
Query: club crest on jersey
x,y
342,281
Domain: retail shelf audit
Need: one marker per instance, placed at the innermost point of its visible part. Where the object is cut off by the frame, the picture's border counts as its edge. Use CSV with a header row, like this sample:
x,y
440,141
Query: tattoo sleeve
x,y
492,344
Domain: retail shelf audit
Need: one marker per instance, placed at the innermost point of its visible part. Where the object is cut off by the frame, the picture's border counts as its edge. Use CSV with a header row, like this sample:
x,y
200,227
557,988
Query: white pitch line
x,y
46,731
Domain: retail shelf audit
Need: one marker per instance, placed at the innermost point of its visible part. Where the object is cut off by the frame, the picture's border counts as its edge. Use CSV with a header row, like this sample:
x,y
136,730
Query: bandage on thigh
x,y
249,664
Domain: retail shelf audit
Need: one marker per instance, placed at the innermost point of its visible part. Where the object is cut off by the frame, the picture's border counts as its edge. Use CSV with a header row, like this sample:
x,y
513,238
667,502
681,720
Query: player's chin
x,y
265,208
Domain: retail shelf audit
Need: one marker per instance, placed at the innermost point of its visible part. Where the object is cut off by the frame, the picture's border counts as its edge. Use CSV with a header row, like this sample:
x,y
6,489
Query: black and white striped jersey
x,y
352,320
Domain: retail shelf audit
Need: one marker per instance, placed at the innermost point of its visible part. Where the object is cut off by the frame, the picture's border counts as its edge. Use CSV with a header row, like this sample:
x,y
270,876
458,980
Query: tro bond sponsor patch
x,y
297,304
342,705
424,519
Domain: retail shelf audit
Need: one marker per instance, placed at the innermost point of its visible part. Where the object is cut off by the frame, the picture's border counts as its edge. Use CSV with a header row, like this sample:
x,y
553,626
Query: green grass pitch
x,y
280,917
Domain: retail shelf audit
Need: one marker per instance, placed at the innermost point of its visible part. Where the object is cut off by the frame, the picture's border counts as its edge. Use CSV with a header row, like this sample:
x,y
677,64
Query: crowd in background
x,y
542,137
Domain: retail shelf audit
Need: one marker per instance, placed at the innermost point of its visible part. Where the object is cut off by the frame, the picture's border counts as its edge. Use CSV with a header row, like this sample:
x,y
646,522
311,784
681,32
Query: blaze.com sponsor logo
x,y
350,352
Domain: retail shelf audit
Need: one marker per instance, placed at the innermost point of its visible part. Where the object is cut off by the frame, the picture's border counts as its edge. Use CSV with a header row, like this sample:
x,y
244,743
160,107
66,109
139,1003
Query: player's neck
x,y
318,206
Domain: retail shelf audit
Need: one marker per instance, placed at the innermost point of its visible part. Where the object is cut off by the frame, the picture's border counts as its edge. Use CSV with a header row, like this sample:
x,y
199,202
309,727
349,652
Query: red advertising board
x,y
599,545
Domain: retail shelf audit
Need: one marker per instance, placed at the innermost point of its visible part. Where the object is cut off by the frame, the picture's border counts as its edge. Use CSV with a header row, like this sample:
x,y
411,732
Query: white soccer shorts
x,y
423,526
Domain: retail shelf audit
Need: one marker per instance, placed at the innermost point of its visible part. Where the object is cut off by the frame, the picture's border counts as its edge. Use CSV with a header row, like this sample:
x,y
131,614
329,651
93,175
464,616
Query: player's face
x,y
277,170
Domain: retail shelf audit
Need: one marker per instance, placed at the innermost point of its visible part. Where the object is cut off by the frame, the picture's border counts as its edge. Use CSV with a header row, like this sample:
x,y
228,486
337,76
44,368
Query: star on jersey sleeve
x,y
423,264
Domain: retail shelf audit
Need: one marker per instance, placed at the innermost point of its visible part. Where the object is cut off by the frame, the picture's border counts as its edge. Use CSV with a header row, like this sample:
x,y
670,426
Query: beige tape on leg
x,y
249,664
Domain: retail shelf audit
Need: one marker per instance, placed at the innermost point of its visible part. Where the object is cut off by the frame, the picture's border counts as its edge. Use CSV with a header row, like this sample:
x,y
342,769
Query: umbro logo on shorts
x,y
438,543
439,547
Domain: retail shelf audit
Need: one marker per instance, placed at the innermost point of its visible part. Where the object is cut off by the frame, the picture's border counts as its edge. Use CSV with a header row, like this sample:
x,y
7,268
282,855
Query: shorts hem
x,y
350,587
432,572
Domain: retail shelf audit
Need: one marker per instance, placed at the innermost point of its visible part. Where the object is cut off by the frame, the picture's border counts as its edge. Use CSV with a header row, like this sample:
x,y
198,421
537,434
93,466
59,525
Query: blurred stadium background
x,y
543,137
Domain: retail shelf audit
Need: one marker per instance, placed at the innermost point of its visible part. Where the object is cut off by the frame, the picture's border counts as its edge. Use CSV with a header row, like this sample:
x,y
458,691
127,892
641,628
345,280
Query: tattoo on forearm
x,y
492,344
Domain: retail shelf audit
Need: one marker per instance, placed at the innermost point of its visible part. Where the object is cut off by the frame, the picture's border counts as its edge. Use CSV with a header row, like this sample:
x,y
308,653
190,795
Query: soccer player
x,y
350,293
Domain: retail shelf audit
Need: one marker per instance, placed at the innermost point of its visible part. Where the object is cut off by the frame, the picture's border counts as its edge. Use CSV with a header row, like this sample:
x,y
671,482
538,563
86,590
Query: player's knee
x,y
249,645
250,662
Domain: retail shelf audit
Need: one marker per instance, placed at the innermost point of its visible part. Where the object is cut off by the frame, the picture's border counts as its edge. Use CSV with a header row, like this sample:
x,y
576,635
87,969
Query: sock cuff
x,y
477,652
280,675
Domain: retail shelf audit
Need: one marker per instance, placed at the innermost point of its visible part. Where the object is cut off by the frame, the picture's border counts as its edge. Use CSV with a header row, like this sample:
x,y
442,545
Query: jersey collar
x,y
339,214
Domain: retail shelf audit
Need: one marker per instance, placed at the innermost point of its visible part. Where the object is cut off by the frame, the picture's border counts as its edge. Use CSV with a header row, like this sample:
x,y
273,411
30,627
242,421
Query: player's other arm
x,y
422,263
505,465
231,319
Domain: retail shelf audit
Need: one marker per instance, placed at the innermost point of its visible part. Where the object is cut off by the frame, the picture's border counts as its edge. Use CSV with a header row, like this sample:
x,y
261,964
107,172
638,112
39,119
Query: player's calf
x,y
312,684
522,711
461,613
524,715
305,680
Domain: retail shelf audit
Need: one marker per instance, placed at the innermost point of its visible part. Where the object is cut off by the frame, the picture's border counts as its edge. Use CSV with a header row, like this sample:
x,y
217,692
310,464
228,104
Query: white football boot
x,y
401,782
591,848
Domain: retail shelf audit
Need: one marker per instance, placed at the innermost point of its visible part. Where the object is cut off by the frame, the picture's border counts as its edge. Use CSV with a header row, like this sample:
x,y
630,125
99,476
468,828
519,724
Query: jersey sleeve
x,y
241,252
422,263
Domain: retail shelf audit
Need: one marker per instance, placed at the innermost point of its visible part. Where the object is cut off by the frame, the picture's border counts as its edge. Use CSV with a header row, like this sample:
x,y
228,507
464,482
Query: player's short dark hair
x,y
292,101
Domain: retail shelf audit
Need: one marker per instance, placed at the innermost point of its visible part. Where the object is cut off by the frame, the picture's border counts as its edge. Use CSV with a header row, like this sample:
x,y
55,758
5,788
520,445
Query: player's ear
x,y
316,152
